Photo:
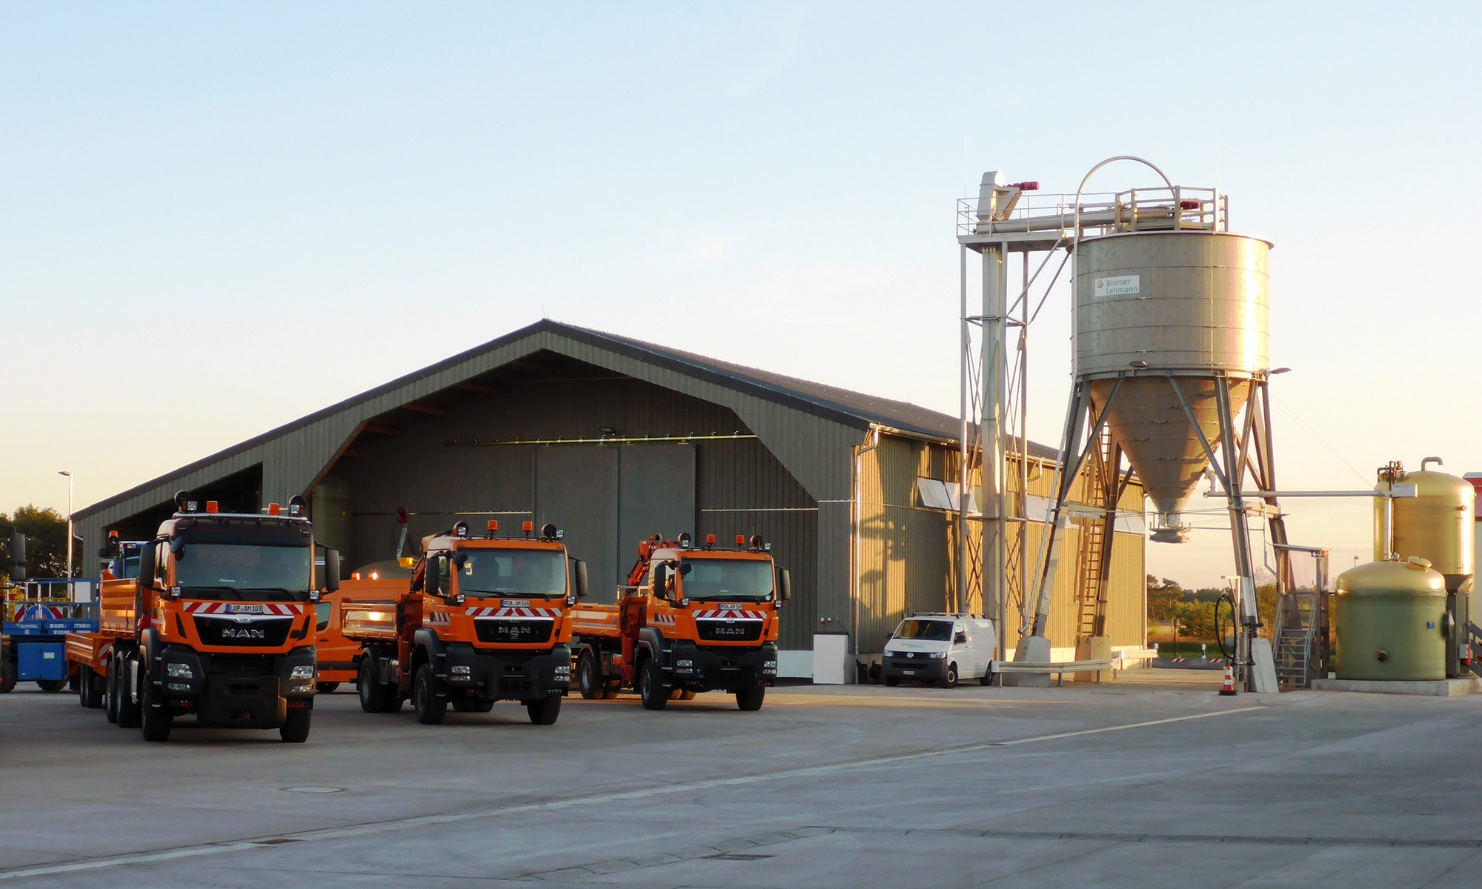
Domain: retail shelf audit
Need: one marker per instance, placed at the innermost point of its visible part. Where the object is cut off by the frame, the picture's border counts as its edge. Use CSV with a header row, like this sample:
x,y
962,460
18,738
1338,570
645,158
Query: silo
x,y
1159,318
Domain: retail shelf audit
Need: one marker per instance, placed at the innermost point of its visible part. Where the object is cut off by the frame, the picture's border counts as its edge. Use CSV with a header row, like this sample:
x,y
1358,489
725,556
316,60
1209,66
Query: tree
x,y
46,541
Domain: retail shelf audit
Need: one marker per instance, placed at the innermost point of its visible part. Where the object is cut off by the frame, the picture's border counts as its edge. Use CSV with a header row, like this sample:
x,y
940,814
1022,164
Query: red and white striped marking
x,y
266,610
525,613
730,614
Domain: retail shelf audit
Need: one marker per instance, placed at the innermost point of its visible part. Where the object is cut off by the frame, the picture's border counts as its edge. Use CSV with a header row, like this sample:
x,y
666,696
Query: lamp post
x,y
69,529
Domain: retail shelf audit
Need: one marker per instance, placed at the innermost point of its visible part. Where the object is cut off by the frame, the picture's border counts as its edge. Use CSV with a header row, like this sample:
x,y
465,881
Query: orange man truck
x,y
483,620
689,620
218,624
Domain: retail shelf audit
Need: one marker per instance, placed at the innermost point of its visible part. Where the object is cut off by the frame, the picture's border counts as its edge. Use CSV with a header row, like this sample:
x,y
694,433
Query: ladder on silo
x,y
1095,541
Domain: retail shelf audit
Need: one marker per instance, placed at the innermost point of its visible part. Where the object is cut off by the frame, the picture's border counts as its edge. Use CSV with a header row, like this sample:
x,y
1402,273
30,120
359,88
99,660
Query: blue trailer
x,y
34,630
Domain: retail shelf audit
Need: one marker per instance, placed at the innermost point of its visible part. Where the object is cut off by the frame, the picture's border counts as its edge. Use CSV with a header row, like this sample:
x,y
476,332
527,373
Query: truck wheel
x,y
586,676
651,685
372,693
110,694
154,721
545,710
325,688
295,729
52,685
949,679
430,708
128,708
7,676
751,698
88,692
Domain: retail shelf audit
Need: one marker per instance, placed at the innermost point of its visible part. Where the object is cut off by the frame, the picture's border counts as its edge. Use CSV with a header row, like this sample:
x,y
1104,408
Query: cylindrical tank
x,y
1435,524
1390,621
1188,303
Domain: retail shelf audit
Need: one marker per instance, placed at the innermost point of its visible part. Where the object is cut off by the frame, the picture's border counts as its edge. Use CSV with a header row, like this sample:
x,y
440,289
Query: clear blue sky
x,y
218,218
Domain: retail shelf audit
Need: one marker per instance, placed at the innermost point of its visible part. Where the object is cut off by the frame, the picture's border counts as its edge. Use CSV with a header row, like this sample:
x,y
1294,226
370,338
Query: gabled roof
x,y
840,405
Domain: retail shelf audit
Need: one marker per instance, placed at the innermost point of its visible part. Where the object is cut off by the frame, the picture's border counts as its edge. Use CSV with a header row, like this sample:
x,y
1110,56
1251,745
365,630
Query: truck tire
x,y
949,679
750,699
587,678
7,675
295,728
52,685
154,721
651,685
110,695
425,700
128,708
88,691
372,693
545,710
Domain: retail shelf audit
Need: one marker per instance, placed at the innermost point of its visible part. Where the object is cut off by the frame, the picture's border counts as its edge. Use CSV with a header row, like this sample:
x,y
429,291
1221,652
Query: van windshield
x,y
929,630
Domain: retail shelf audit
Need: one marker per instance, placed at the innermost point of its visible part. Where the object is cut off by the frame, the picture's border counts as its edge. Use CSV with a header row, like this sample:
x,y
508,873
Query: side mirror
x,y
432,585
459,560
784,585
959,639
579,578
331,571
661,580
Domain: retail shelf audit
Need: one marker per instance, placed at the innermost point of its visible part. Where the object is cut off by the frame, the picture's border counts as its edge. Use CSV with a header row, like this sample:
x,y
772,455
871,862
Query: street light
x,y
69,529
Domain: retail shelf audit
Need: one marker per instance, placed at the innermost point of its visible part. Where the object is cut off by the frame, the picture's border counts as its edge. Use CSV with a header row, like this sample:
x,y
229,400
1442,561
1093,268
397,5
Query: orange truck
x,y
482,620
217,623
690,620
337,657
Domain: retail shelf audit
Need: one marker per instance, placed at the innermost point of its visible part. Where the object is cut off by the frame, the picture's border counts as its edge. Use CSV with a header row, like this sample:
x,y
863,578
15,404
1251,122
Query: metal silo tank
x,y
1190,305
1390,622
1435,524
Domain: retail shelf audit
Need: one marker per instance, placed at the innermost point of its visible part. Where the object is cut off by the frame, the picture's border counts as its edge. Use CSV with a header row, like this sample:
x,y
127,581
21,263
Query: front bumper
x,y
507,675
731,669
237,691
915,669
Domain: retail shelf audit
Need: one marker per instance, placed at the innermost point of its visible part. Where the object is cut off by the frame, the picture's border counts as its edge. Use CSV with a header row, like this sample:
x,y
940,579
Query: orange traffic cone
x,y
1229,687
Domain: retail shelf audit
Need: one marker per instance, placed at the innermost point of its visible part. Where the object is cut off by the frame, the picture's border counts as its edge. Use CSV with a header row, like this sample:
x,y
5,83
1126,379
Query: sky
x,y
217,218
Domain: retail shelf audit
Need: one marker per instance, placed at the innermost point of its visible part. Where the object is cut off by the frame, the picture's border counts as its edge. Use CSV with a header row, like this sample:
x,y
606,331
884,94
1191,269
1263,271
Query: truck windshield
x,y
244,571
746,581
537,573
930,630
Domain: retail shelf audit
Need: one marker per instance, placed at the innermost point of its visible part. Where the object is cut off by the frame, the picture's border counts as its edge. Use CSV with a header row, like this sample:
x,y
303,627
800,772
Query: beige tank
x,y
1436,525
1188,304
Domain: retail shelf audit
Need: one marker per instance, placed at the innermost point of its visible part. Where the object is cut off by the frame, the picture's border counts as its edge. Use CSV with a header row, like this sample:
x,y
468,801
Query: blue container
x,y
40,660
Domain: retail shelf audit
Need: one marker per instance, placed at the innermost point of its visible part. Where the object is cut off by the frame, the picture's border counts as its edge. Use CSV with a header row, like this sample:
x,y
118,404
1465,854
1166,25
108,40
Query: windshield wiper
x,y
196,592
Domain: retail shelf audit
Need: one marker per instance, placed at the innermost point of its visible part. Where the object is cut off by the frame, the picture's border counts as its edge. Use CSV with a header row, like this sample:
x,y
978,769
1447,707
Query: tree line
x,y
1190,614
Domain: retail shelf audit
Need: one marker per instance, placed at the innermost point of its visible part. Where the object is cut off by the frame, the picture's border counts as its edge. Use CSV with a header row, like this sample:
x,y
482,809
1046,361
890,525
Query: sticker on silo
x,y
1121,285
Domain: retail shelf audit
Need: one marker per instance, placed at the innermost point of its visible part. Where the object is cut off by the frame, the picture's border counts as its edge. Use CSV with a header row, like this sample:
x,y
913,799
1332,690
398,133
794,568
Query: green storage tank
x,y
1390,620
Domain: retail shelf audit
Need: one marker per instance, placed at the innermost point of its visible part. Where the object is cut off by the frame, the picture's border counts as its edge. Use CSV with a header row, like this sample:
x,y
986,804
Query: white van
x,y
941,648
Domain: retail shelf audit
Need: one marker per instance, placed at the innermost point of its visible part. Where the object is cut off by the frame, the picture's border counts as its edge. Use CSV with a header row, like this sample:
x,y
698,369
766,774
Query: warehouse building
x,y
615,440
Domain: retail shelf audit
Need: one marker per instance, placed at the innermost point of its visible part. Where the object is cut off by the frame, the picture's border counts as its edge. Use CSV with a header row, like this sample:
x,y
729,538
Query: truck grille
x,y
248,633
514,630
728,631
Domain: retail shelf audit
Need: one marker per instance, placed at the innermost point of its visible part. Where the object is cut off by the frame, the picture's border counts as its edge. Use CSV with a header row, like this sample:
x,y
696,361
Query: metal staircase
x,y
1297,621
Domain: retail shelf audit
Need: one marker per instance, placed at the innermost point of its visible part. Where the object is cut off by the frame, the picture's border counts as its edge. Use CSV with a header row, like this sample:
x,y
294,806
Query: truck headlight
x,y
301,673
459,670
178,671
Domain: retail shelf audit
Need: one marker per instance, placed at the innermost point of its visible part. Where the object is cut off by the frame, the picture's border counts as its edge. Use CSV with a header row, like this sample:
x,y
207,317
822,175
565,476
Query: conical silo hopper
x,y
1168,313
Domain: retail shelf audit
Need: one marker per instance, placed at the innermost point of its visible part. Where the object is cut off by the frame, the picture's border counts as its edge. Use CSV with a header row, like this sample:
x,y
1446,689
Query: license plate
x,y
908,672
516,603
244,609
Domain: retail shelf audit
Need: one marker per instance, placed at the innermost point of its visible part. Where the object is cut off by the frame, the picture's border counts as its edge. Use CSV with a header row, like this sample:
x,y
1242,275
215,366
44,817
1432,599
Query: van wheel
x,y
892,681
950,679
587,679
988,673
